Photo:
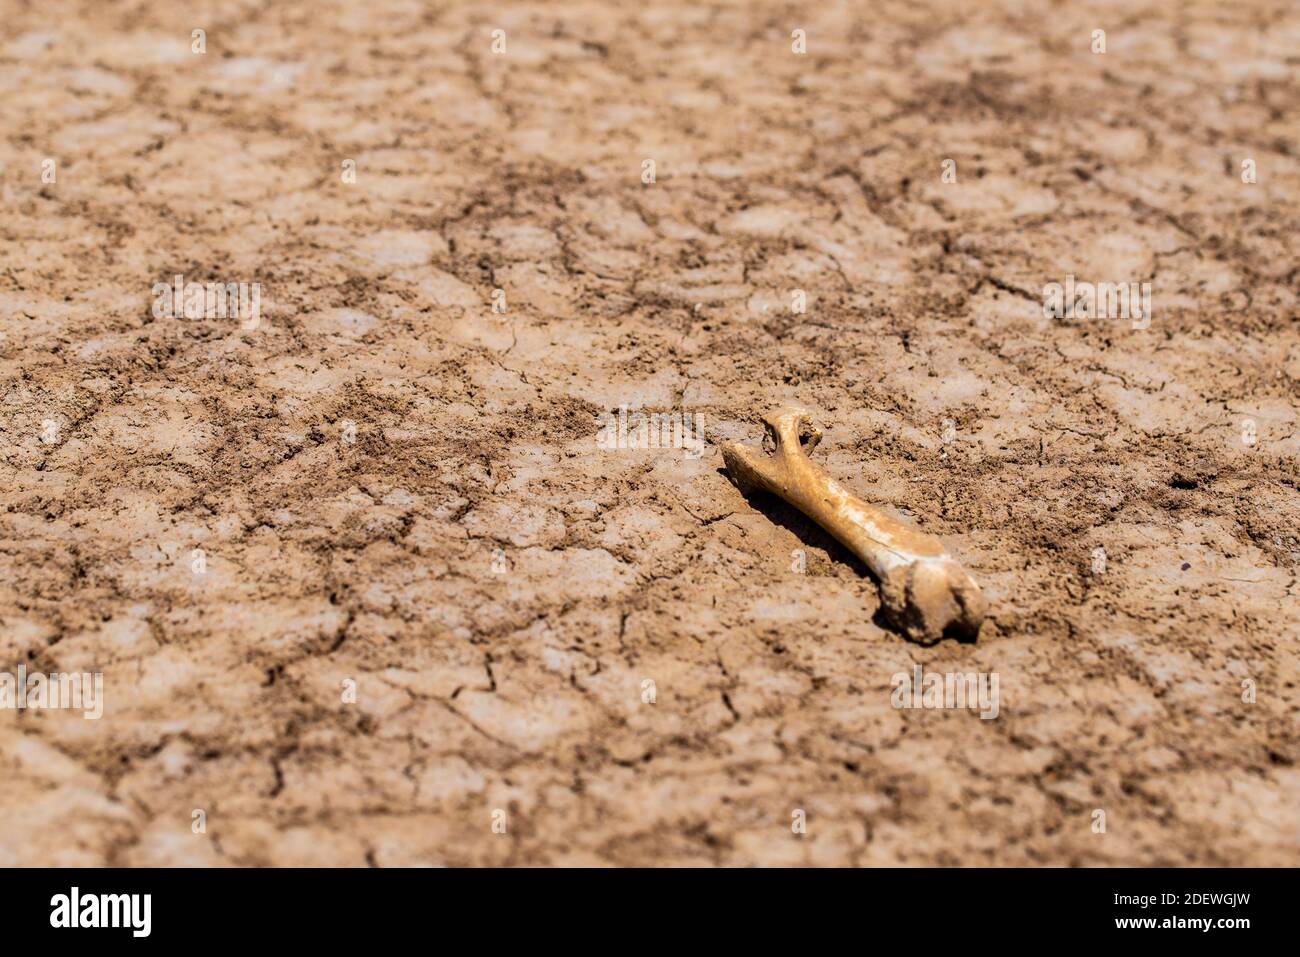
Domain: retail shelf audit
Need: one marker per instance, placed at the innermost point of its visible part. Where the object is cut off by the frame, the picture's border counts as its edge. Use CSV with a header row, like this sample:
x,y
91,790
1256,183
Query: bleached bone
x,y
925,593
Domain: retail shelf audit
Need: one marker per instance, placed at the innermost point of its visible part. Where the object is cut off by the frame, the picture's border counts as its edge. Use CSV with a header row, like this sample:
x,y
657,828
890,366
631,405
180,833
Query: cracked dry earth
x,y
372,561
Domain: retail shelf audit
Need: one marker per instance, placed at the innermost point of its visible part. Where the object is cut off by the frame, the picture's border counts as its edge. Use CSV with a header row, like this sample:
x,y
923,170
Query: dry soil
x,y
360,578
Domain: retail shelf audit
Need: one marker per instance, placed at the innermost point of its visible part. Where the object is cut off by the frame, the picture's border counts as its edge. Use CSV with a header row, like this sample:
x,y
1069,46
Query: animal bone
x,y
924,592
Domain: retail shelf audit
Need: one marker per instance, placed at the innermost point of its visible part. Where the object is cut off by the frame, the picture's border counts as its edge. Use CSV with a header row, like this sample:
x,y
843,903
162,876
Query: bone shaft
x,y
876,538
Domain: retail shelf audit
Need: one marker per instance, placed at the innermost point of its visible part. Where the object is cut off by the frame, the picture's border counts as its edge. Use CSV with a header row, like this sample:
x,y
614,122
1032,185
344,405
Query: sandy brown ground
x,y
521,690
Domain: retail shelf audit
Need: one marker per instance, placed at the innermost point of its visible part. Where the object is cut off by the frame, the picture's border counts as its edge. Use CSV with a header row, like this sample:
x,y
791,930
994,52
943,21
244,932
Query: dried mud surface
x,y
329,561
